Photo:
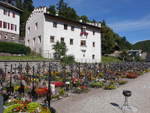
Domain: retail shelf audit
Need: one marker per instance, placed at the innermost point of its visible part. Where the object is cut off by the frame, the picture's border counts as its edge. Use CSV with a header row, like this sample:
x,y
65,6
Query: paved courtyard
x,y
102,101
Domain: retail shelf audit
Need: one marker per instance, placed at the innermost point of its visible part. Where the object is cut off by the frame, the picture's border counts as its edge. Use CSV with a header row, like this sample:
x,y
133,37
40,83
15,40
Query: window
x,y
83,55
62,39
28,43
93,32
8,13
5,12
13,14
12,27
52,39
83,43
72,28
71,41
33,42
0,24
36,26
28,30
93,44
15,27
93,56
8,25
65,26
83,29
55,24
39,39
4,25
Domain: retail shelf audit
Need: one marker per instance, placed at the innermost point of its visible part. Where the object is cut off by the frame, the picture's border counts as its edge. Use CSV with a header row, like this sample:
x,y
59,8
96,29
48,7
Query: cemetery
x,y
32,86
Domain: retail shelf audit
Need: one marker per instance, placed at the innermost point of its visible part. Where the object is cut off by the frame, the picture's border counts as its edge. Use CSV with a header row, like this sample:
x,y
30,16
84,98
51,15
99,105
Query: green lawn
x,y
22,58
110,59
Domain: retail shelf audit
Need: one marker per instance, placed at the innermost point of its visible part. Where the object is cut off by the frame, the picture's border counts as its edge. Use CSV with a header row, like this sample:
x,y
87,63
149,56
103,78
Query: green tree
x,y
143,45
84,19
52,9
60,50
27,7
67,60
65,11
108,42
19,4
111,41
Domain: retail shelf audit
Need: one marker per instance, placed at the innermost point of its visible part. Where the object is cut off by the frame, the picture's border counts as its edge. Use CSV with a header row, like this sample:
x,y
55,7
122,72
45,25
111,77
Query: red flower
x,y
41,91
83,87
58,83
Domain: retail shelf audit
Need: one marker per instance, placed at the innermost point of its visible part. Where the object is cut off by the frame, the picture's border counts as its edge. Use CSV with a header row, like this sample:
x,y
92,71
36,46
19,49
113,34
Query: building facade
x,y
9,22
83,41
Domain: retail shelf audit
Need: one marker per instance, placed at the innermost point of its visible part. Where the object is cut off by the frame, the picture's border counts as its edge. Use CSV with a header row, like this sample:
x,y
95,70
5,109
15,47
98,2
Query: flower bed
x,y
25,106
58,83
132,75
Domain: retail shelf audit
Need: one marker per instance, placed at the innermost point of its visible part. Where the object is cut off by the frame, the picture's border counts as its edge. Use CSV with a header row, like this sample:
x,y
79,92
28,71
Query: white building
x,y
9,22
43,30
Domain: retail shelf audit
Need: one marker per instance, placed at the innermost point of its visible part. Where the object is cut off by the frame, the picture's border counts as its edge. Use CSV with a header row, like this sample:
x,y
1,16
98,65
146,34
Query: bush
x,y
14,48
110,86
122,82
68,60
97,84
61,91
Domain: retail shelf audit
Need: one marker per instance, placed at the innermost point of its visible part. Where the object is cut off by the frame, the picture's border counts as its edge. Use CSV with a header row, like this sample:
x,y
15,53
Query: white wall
x,y
35,33
10,19
74,49
46,29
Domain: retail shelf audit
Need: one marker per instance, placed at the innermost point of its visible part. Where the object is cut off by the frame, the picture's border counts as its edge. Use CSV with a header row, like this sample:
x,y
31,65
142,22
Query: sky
x,y
129,18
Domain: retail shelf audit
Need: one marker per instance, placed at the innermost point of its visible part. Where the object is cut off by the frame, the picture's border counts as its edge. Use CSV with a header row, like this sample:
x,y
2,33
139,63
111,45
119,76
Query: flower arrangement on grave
x,y
132,75
41,91
58,83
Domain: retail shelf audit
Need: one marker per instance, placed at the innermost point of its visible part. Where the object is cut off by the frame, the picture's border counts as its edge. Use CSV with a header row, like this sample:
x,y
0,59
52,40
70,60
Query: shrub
x,y
97,84
122,82
61,91
55,96
110,86
14,48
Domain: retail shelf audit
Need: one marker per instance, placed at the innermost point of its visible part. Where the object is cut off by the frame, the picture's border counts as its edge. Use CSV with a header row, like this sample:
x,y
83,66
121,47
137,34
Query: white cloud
x,y
131,25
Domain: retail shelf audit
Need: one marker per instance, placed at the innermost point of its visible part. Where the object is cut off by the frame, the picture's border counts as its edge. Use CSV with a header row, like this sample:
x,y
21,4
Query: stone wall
x,y
44,65
9,37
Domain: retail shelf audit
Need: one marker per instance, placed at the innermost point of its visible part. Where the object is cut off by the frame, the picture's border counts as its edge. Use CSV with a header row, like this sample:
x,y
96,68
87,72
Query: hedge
x,y
14,48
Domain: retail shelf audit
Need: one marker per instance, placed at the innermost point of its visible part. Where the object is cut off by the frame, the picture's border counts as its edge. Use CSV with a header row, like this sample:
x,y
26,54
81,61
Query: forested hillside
x,y
143,45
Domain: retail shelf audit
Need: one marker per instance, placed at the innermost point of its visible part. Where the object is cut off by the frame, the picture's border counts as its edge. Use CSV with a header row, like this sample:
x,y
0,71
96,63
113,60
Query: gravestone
x,y
1,104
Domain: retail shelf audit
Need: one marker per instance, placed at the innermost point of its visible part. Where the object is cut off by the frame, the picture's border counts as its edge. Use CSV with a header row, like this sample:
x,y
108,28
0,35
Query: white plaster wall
x,y
10,19
35,33
74,49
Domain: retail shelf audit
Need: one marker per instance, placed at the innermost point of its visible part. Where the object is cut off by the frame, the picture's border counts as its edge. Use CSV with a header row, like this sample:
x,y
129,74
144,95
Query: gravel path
x,y
102,101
